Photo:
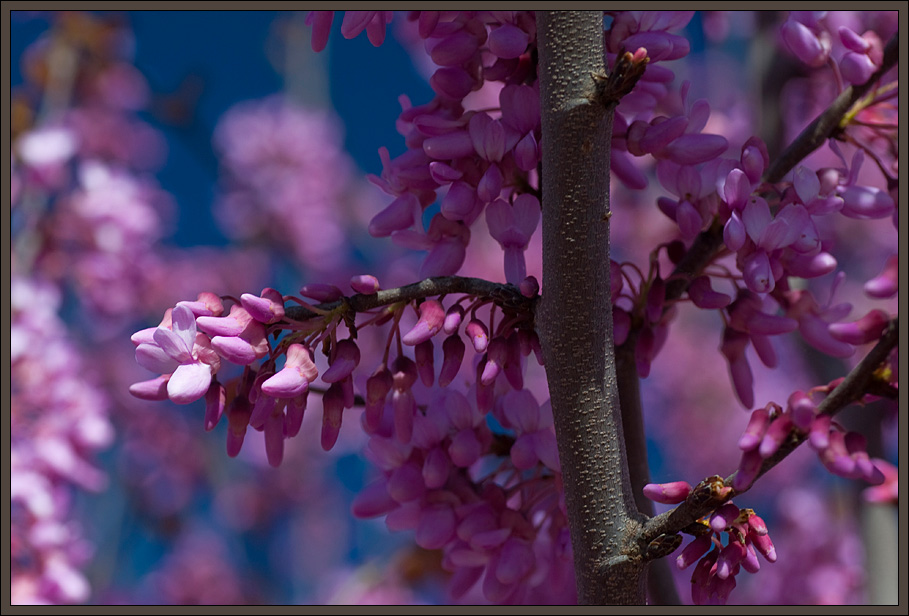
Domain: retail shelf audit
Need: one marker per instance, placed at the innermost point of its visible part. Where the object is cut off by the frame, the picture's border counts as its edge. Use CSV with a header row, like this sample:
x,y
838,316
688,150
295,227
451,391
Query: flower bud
x,y
885,284
453,353
723,517
365,284
775,436
478,334
268,308
755,430
432,317
332,411
802,410
346,359
496,356
321,292
867,329
423,354
667,493
453,319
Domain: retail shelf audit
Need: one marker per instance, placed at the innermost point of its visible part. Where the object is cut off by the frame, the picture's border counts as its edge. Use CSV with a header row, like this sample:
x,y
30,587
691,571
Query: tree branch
x,y
576,309
661,587
505,295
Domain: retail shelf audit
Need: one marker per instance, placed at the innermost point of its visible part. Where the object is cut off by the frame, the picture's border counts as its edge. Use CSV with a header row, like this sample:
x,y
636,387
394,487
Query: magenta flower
x,y
321,292
806,45
520,109
888,491
365,284
815,321
453,82
452,354
863,55
453,318
867,329
670,493
294,378
885,284
332,412
238,337
402,213
346,357
446,240
373,22
534,437
187,356
268,308
432,317
754,431
321,28
703,295
512,226
377,387
508,41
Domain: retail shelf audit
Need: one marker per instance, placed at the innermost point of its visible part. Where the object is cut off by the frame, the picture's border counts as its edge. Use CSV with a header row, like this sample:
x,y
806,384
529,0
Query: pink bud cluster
x,y
498,520
488,497
713,578
776,232
468,159
646,125
58,421
815,39
842,452
187,348
277,159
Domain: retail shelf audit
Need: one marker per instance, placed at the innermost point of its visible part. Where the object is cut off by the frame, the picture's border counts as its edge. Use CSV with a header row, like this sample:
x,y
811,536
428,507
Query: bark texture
x,y
575,310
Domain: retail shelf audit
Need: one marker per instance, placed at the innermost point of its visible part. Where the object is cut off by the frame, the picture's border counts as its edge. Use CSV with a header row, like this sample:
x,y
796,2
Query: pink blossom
x,y
885,284
432,317
294,378
183,353
809,47
268,308
668,493
512,226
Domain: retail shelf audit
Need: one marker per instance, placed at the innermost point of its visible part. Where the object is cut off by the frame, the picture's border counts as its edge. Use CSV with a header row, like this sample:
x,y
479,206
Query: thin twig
x,y
505,295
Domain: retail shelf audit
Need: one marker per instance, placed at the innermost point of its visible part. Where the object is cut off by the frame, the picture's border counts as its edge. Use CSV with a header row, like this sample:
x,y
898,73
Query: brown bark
x,y
575,312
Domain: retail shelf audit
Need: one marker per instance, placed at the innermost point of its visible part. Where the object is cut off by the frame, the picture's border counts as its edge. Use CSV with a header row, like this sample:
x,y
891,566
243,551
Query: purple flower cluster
x,y
58,422
467,158
713,578
815,38
279,159
489,498
773,249
778,233
829,567
842,452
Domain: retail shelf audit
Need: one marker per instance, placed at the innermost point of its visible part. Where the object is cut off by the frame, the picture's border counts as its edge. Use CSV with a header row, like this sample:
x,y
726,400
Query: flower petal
x,y
189,383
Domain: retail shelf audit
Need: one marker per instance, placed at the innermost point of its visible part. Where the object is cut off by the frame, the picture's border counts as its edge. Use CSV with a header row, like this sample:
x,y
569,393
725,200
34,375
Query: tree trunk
x,y
575,313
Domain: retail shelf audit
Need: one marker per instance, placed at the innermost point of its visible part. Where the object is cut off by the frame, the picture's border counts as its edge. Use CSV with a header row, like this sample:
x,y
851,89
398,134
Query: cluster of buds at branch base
x,y
842,452
277,350
713,577
629,68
